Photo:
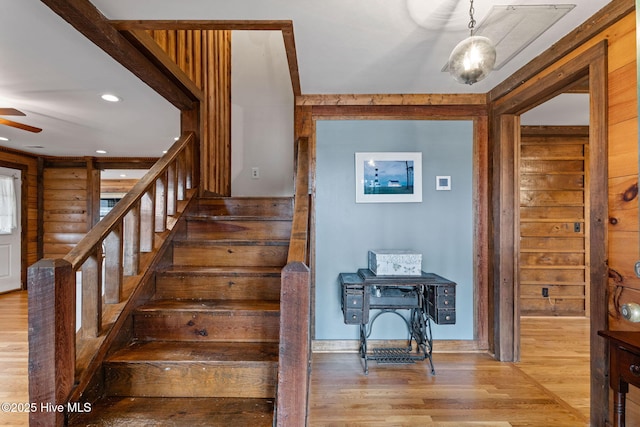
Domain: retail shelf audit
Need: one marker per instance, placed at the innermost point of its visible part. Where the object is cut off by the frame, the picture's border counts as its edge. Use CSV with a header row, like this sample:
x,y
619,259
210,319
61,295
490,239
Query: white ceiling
x,y
56,76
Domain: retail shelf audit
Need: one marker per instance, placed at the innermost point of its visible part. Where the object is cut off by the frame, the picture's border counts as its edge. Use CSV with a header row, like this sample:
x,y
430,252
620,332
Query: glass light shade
x,y
472,59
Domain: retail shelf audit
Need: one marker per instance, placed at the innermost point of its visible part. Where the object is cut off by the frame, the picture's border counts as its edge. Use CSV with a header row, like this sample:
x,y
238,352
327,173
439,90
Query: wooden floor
x,y
549,387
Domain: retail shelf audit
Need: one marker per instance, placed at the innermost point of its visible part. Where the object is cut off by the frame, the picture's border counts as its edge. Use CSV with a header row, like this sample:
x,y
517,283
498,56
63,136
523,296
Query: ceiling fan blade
x,y
19,125
11,112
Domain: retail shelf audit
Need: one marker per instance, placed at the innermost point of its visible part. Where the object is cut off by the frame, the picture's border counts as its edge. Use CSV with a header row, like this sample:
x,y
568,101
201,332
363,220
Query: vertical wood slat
x,y
113,255
181,177
92,295
161,203
131,262
147,219
172,184
216,138
52,338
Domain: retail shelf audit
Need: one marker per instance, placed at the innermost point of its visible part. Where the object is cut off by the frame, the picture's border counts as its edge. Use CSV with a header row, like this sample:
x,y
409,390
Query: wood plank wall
x,y
66,217
553,208
205,57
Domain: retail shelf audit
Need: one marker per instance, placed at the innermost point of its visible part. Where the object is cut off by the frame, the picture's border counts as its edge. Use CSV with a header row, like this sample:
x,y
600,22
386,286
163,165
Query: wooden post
x,y
147,219
132,241
52,296
293,368
161,203
92,295
113,251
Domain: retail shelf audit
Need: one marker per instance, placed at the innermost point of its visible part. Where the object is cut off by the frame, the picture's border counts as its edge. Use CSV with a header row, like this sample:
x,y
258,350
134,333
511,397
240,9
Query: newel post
x,y
295,346
52,344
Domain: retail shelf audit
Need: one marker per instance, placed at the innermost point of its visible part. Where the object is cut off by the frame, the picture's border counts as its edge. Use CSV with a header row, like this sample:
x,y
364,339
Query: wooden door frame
x,y
505,121
24,198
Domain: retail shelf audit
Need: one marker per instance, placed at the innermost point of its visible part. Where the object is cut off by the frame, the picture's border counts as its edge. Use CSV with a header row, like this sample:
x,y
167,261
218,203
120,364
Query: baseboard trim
x,y
353,346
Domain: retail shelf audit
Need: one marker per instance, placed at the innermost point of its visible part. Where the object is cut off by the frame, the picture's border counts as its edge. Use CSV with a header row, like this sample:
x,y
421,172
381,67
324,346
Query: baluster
x,y
161,203
131,262
147,217
181,188
92,295
188,150
113,265
172,183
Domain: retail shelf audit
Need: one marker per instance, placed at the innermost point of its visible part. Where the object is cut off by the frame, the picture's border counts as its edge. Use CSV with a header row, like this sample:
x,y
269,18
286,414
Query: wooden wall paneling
x,y
116,185
216,138
65,200
198,65
553,253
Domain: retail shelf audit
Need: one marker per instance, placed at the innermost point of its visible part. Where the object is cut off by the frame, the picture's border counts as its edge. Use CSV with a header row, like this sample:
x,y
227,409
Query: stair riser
x,y
230,255
249,207
244,230
195,326
174,379
218,287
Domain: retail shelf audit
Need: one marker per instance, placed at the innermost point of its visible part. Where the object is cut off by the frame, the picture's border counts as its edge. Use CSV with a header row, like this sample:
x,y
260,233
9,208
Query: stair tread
x,y
146,411
230,271
198,216
184,241
188,352
209,305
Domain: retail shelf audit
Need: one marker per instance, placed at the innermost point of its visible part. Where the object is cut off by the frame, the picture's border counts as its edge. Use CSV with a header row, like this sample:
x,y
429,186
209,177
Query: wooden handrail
x,y
131,228
295,306
299,241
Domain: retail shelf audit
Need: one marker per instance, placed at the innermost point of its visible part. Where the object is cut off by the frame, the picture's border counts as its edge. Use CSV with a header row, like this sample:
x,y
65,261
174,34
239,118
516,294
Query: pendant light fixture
x,y
473,58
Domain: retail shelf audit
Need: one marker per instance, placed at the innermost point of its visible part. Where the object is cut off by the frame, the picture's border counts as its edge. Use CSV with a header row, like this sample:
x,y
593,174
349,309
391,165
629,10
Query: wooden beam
x,y
145,43
292,59
393,99
267,25
398,112
88,20
285,26
603,19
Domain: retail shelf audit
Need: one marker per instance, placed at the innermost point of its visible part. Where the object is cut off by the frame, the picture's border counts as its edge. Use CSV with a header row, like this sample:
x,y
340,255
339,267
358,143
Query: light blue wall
x,y
441,227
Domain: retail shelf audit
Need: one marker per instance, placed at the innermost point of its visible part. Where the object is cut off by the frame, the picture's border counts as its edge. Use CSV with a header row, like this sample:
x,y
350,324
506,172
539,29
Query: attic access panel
x,y
512,28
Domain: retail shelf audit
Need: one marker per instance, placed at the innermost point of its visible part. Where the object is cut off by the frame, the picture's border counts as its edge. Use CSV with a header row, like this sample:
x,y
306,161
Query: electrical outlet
x,y
255,172
545,292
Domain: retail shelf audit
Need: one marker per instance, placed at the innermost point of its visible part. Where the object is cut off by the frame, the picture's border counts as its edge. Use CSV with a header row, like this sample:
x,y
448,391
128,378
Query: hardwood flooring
x,y
549,387
14,351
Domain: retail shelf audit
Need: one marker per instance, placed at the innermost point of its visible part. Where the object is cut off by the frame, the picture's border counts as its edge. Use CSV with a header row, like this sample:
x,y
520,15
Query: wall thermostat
x,y
443,183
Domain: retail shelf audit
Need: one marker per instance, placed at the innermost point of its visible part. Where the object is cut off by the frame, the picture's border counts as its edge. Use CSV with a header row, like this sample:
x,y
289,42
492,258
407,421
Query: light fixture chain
x,y
472,22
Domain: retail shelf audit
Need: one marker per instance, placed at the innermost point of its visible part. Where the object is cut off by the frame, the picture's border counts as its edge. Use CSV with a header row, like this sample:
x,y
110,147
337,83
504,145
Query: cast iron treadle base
x,y
395,355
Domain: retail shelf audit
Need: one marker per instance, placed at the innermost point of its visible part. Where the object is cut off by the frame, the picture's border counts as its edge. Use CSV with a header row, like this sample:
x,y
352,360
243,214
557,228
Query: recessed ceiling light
x,y
123,175
110,97
101,152
2,138
176,138
164,151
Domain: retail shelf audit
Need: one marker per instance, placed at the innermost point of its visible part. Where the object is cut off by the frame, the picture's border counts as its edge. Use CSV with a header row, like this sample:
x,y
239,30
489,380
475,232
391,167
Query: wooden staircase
x,y
204,349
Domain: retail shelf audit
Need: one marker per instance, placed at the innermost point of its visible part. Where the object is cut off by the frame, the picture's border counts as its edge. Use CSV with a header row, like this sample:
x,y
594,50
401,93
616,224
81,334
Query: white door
x,y
10,237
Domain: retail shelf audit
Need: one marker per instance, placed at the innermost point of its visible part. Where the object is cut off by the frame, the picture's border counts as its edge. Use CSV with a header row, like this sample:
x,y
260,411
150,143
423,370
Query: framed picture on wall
x,y
388,177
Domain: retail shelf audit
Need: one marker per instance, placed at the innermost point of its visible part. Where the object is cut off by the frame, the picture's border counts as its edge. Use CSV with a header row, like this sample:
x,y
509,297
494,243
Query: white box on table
x,y
394,262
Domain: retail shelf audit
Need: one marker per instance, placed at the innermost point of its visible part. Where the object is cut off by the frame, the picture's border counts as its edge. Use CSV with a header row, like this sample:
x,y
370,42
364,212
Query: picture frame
x,y
388,177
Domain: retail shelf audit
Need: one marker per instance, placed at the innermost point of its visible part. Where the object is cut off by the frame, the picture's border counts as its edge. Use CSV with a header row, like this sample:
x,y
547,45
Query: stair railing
x,y
60,350
295,304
